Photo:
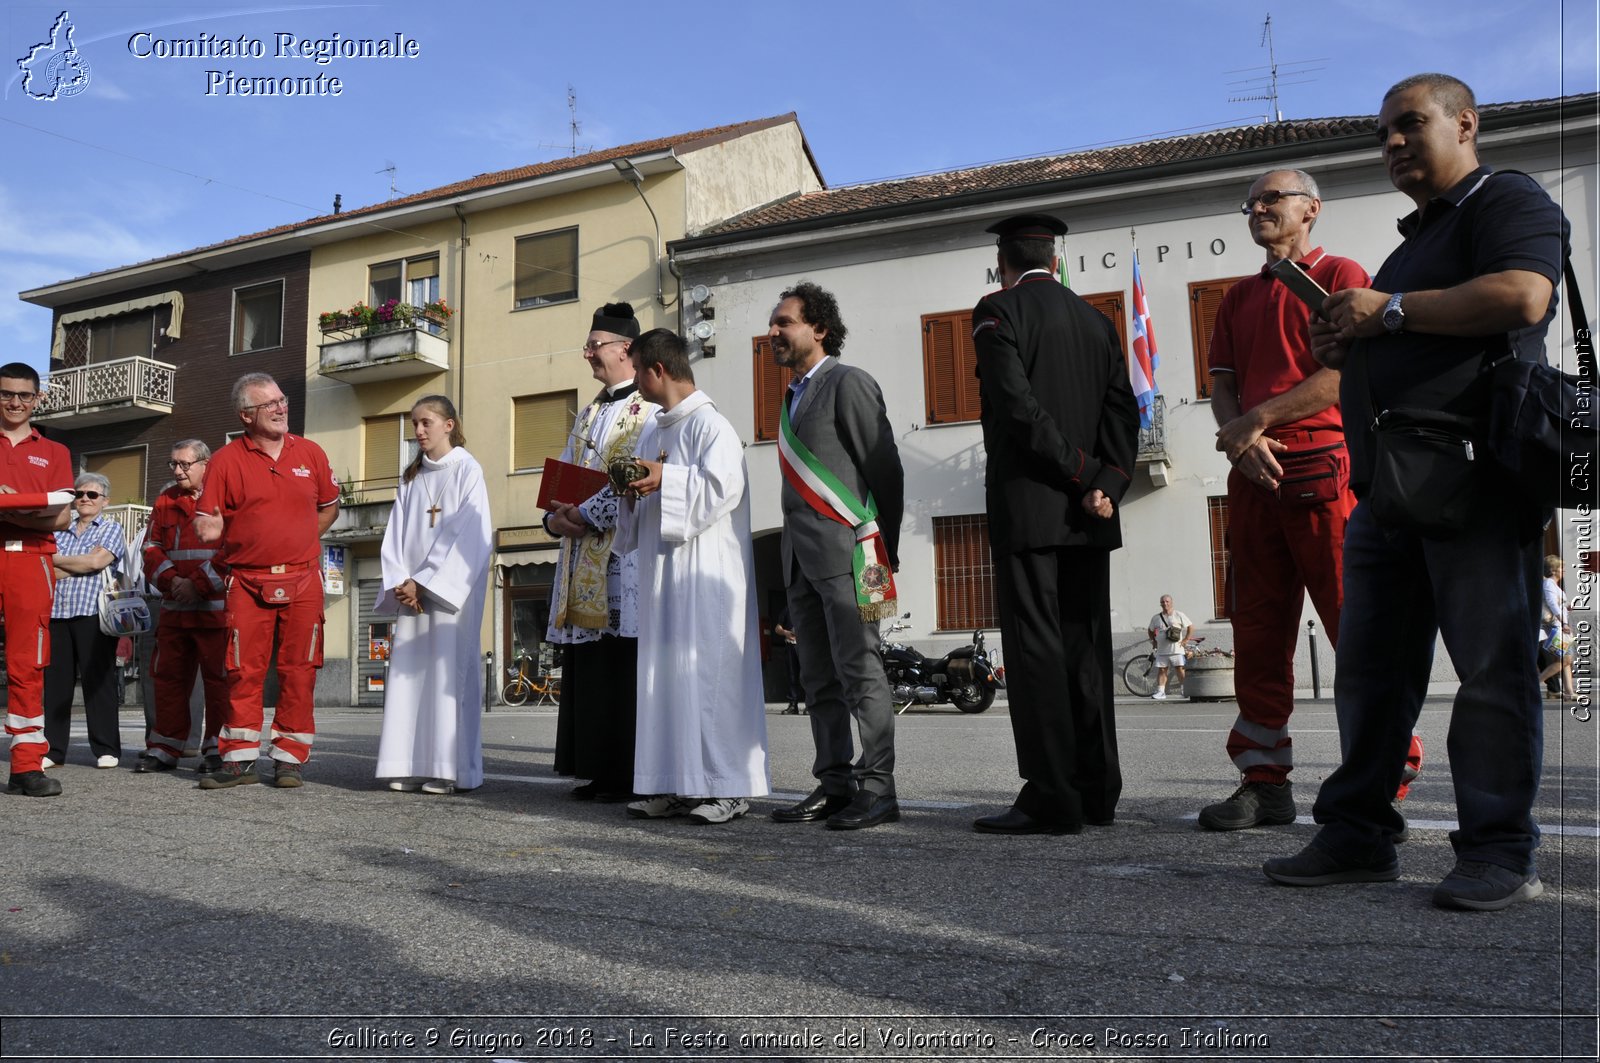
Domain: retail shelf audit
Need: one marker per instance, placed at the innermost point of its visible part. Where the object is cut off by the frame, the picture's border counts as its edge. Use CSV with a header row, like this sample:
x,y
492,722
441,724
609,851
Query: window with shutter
x,y
771,384
258,317
124,469
546,269
382,445
1204,298
540,425
963,573
1114,306
949,367
1217,518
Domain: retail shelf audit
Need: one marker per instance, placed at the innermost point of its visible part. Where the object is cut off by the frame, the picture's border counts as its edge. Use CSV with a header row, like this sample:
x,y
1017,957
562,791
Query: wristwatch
x,y
1394,318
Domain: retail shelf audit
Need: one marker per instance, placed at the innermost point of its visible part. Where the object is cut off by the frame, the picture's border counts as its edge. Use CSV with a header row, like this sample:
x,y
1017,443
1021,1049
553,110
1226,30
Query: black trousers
x,y
1055,621
598,714
79,649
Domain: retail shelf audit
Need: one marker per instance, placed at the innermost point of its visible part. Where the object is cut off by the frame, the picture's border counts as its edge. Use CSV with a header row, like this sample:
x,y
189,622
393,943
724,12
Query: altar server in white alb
x,y
435,564
701,743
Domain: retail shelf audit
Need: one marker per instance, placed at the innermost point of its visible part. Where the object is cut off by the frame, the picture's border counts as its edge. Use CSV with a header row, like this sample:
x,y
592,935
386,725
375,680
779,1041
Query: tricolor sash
x,y
874,579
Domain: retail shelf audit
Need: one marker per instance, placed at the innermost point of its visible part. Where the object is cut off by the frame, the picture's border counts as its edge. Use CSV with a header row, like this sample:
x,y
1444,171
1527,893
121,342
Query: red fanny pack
x,y
270,588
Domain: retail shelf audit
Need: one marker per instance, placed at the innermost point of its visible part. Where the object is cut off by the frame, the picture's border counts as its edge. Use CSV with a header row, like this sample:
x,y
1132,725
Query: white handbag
x,y
123,611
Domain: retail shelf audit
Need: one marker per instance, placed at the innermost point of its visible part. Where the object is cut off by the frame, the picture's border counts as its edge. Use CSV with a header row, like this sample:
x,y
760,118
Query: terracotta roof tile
x,y
929,189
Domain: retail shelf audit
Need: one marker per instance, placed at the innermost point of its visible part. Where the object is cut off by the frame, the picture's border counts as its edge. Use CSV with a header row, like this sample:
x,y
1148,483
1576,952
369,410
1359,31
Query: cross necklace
x,y
434,508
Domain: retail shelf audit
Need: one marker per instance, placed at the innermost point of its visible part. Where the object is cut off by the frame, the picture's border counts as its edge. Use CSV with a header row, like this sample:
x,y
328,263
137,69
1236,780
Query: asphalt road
x,y
143,918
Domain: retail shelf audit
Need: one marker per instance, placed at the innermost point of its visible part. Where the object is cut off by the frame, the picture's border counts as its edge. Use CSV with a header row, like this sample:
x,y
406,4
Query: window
x,y
258,317
963,573
540,425
1204,298
123,336
547,268
772,384
125,470
949,367
412,280
1221,584
1113,306
387,445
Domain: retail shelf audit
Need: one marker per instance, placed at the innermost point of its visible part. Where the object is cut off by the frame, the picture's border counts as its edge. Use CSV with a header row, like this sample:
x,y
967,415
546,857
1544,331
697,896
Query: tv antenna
x,y
391,169
573,125
1267,85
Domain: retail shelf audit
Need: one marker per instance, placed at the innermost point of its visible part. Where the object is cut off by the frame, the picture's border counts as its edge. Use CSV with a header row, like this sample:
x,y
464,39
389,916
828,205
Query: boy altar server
x,y
702,735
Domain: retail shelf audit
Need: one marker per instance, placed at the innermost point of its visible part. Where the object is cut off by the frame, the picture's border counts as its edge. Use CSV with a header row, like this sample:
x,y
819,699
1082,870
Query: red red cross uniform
x,y
272,548
190,637
27,587
1280,550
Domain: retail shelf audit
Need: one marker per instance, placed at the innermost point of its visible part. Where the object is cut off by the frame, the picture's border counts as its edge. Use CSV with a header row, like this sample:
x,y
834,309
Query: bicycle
x,y
524,684
1139,674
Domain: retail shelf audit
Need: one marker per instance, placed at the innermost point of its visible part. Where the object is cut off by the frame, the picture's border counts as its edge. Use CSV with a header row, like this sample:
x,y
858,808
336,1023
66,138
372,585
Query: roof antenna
x,y
391,169
1269,91
573,126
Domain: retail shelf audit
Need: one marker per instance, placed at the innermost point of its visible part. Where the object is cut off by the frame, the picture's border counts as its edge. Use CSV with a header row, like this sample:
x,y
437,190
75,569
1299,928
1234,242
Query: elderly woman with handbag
x,y
79,650
1556,632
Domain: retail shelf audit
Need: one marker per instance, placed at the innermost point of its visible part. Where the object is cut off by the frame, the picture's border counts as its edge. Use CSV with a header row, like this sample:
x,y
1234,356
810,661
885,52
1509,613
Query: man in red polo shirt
x,y
268,497
29,463
1289,491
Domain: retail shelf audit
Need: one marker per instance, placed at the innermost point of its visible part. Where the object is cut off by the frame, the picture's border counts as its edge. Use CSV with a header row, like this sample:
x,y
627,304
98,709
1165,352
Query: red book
x,y
44,502
568,484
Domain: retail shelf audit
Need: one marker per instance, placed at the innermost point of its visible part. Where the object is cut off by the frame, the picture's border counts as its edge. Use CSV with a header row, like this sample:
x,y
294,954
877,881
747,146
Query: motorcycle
x,y
964,677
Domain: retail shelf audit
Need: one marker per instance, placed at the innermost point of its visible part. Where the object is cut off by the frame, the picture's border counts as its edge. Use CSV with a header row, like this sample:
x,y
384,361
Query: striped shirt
x,y
80,595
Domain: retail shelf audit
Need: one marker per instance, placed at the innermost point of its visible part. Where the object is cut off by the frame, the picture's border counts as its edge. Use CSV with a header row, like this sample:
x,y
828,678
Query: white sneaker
x,y
663,807
48,763
106,761
1160,695
720,810
438,786
404,786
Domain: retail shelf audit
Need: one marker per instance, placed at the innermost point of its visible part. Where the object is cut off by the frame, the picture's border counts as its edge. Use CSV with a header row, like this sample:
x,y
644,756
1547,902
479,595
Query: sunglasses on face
x,y
90,495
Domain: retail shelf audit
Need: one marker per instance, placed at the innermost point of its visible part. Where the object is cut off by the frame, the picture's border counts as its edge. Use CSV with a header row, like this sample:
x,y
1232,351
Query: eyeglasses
x,y
1270,198
18,396
591,347
185,466
90,495
279,403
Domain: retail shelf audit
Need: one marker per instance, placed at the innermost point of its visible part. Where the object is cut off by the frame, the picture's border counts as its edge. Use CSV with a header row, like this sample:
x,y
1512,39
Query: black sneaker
x,y
209,764
288,775
1479,886
1315,866
232,773
1255,804
149,763
32,784
1405,826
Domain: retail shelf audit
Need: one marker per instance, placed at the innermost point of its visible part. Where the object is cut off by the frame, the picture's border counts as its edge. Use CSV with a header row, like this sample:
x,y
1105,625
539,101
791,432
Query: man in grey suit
x,y
843,494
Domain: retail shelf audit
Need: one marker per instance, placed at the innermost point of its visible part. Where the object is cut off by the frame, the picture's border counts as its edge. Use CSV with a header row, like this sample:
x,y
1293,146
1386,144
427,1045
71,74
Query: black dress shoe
x,y
1015,821
586,791
818,805
867,809
792,710
615,795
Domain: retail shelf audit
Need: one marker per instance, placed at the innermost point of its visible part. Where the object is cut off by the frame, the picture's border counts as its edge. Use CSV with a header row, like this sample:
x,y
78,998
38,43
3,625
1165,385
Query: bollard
x,y
1316,670
488,680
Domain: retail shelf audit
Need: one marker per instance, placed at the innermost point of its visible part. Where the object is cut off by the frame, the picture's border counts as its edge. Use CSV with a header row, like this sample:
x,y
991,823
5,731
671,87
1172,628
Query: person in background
x,y
79,651
1169,632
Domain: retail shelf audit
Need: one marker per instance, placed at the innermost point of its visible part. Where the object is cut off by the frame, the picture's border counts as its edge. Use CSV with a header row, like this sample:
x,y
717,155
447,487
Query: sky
x,y
153,156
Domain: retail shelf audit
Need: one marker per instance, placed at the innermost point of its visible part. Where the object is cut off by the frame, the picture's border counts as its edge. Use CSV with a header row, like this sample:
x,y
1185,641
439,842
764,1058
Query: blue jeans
x,y
1481,591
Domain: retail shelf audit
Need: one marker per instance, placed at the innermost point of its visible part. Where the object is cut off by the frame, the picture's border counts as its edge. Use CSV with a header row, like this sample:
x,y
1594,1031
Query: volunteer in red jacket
x,y
28,463
191,633
267,499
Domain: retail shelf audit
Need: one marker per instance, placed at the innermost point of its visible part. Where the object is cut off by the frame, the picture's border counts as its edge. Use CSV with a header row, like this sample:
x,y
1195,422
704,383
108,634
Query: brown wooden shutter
x,y
1217,517
540,425
380,445
1114,306
1204,298
771,384
963,573
949,367
125,470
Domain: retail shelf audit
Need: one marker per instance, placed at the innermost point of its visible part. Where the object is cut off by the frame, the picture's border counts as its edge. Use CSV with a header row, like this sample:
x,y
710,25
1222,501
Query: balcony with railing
x,y
1152,453
124,389
395,340
364,507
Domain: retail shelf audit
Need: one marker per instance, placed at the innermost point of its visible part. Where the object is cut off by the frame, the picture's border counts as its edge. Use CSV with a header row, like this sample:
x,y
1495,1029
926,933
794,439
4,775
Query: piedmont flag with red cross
x,y
1142,366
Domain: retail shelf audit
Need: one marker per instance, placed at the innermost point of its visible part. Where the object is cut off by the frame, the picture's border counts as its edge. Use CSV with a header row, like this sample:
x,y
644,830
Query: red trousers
x,y
181,651
27,588
251,630
1277,553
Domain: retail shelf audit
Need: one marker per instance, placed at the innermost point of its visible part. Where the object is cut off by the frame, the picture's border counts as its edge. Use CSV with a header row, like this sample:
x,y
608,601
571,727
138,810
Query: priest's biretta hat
x,y
616,318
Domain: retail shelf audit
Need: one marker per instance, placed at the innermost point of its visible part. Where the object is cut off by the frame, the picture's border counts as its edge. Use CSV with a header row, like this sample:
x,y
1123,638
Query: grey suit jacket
x,y
842,421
